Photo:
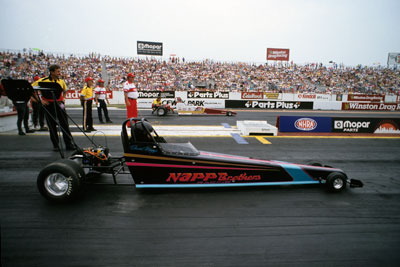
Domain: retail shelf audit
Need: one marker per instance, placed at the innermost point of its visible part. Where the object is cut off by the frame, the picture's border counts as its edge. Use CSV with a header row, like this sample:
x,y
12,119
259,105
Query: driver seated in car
x,y
182,106
156,103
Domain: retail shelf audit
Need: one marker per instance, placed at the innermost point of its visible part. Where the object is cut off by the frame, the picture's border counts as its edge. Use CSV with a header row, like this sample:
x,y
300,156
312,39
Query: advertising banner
x,y
272,95
306,96
155,94
149,48
367,98
305,124
268,104
207,94
252,95
312,97
366,125
393,59
75,94
280,54
370,106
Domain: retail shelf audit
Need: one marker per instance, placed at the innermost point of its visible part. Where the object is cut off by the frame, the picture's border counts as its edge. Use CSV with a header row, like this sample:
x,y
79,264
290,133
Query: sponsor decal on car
x,y
210,177
305,124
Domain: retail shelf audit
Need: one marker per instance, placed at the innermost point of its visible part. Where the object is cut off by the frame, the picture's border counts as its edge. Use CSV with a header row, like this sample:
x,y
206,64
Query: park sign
x,y
149,48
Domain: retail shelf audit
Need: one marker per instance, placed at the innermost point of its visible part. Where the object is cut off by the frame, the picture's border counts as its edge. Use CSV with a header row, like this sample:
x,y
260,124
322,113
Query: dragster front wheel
x,y
61,181
336,182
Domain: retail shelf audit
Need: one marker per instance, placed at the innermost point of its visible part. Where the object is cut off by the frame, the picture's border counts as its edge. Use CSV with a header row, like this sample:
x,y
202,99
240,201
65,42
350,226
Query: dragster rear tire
x,y
161,111
61,181
336,182
77,167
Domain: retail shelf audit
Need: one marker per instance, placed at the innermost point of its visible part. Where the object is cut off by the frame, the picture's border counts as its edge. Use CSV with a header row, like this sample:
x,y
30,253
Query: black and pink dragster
x,y
155,163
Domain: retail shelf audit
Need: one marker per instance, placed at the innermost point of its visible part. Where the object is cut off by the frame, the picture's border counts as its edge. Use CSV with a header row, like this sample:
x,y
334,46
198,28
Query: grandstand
x,y
156,74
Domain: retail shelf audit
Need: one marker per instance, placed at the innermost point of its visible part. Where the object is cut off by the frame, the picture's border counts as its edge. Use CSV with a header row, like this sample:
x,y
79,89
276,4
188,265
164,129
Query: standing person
x,y
56,110
37,111
131,96
87,101
101,98
23,115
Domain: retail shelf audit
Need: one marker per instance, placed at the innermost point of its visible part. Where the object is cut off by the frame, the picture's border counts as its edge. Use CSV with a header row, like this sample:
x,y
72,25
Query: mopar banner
x,y
207,94
149,48
370,106
154,94
268,104
305,124
366,125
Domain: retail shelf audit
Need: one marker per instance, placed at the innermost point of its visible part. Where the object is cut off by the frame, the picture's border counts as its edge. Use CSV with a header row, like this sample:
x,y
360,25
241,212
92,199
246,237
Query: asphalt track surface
x,y
118,225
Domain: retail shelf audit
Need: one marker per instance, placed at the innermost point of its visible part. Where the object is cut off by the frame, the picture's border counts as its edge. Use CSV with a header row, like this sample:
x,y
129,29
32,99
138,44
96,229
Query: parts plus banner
x,y
365,125
281,54
305,124
149,48
370,106
268,104
206,94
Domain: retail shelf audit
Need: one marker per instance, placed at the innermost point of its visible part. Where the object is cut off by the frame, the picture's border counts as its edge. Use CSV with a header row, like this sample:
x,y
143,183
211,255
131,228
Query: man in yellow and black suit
x,y
87,100
56,110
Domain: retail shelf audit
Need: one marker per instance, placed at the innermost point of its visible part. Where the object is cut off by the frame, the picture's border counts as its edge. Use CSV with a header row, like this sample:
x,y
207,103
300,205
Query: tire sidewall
x,y
161,111
70,170
331,179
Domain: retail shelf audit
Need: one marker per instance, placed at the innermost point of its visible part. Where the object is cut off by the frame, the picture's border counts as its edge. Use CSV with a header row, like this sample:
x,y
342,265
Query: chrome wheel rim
x,y
338,183
56,184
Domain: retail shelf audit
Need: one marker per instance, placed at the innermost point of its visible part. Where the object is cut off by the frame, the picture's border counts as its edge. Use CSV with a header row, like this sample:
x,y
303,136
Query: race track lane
x,y
269,226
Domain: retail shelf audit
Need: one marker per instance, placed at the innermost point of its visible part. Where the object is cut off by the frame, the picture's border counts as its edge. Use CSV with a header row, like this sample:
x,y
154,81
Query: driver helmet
x,y
140,132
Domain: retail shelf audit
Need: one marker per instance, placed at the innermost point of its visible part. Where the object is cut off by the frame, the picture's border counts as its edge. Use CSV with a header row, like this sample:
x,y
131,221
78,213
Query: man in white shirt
x,y
101,98
131,96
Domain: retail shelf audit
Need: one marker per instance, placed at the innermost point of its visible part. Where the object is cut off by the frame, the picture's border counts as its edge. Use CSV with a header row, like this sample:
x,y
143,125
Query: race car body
x,y
183,109
154,163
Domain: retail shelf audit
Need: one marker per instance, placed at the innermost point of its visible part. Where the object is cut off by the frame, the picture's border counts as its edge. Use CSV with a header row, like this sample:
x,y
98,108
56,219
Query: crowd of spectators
x,y
180,74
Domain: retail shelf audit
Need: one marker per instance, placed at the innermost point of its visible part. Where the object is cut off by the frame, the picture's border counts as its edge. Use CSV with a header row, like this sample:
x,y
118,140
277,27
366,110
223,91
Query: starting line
x,y
200,131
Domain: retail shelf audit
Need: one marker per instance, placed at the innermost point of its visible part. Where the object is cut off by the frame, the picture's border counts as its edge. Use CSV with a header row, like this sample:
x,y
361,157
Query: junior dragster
x,y
154,163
